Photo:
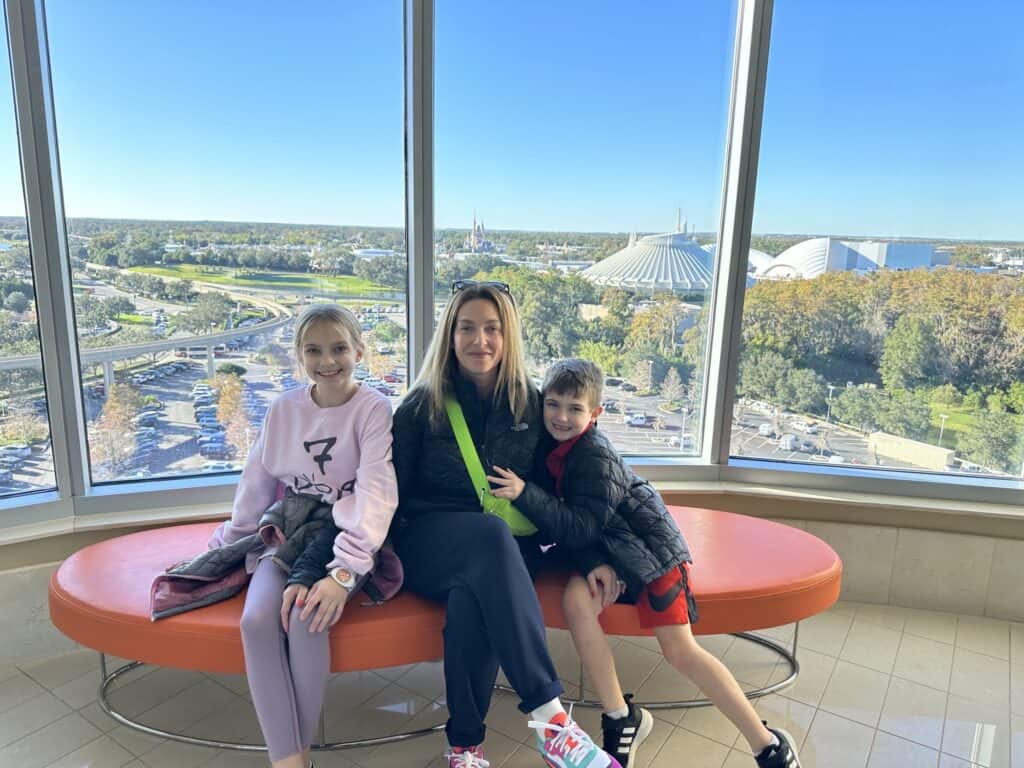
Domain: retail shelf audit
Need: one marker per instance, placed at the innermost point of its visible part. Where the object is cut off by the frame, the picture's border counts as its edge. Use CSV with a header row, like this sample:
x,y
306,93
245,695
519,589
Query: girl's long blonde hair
x,y
435,377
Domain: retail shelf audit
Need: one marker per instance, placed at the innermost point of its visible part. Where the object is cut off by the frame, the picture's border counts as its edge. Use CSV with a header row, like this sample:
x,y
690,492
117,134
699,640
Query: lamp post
x,y
828,416
942,426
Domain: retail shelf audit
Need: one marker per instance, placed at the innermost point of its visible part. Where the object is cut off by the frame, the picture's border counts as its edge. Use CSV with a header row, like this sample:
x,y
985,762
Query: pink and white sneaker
x,y
563,744
466,757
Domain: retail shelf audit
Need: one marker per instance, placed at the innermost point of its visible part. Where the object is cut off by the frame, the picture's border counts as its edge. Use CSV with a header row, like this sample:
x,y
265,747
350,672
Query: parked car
x,y
765,430
612,381
16,449
627,387
636,419
788,442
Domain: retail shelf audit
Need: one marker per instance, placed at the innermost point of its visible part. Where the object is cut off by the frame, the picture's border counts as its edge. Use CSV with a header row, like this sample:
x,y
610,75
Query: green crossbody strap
x,y
491,504
468,450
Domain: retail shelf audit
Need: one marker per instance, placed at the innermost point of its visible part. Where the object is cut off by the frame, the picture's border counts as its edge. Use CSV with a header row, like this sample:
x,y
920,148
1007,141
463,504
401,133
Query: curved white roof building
x,y
756,260
814,257
670,262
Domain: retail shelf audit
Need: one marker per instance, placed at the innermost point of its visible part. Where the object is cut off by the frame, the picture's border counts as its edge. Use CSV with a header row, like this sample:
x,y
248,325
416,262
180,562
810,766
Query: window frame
x,y
76,496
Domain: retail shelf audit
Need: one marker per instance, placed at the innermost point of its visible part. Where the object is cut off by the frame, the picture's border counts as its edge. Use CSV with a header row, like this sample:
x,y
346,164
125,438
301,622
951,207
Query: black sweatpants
x,y
472,563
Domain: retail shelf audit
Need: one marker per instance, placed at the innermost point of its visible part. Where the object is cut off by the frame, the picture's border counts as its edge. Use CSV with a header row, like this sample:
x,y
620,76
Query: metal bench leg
x,y
781,650
107,679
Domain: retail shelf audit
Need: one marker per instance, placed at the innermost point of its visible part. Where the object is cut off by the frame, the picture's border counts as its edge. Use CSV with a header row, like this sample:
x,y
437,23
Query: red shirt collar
x,y
555,461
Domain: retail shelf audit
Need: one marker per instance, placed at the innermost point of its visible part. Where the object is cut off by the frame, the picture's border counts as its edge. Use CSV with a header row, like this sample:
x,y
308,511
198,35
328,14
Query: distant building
x,y
476,241
814,257
670,262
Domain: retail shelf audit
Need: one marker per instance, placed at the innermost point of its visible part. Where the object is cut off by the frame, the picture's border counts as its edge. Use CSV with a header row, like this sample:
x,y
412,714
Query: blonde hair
x,y
575,377
331,314
435,377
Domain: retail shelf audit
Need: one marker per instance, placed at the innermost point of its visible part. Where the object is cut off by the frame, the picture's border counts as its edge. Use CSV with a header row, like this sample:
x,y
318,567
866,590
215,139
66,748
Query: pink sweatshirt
x,y
341,454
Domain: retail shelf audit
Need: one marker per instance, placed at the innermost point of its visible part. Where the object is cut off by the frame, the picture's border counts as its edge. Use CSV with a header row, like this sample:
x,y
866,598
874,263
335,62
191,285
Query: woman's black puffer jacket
x,y
606,514
431,473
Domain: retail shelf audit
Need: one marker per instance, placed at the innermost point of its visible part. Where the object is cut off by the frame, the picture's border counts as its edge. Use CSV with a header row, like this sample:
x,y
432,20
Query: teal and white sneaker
x,y
563,744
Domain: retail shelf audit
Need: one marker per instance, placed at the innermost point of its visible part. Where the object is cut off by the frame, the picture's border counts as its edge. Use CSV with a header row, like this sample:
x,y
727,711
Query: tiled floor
x,y
881,687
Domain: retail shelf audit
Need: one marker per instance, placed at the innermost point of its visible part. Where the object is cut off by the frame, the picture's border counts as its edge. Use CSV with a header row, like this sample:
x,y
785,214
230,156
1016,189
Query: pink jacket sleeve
x,y
364,516
256,491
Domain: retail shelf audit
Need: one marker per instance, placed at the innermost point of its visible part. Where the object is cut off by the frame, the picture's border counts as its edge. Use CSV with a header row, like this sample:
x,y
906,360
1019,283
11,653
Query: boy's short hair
x,y
576,377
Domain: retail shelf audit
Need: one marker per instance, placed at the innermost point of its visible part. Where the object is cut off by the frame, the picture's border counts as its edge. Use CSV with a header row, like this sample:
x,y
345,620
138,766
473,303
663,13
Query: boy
x,y
619,533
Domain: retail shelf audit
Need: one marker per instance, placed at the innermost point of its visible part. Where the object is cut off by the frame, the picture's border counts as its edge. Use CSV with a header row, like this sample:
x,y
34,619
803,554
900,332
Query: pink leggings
x,y
287,673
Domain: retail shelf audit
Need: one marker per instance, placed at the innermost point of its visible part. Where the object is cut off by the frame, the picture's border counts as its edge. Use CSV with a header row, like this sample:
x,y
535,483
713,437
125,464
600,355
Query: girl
x,y
454,553
330,439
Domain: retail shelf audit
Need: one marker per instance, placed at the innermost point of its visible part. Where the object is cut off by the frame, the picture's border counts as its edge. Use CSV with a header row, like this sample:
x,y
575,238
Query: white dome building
x,y
670,262
756,259
812,258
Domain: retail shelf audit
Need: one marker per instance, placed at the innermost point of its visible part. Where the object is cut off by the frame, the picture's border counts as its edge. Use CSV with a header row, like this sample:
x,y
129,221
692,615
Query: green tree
x,y
209,312
859,407
905,414
605,355
16,301
390,271
993,441
910,355
1015,397
231,369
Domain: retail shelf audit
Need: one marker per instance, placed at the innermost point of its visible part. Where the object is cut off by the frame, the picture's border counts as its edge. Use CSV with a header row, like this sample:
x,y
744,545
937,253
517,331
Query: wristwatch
x,y
344,577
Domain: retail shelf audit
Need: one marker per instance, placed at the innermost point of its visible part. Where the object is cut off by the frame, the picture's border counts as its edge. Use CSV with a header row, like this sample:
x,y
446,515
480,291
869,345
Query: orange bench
x,y
748,574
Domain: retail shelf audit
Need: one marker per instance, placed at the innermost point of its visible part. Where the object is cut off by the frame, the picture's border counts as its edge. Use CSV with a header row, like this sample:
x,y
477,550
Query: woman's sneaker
x,y
469,757
781,755
624,735
563,744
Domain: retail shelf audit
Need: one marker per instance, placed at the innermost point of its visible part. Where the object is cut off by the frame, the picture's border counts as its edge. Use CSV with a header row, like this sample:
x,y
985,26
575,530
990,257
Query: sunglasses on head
x,y
460,285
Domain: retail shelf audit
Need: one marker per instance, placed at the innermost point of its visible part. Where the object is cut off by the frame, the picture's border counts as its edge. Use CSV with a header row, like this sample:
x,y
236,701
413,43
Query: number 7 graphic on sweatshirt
x,y
323,457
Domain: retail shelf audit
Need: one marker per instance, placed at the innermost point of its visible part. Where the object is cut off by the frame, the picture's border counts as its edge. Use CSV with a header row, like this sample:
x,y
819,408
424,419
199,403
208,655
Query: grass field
x,y
129,319
290,282
959,420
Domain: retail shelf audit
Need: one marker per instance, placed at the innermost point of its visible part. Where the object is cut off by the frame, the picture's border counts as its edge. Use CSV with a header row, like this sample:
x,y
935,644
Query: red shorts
x,y
666,601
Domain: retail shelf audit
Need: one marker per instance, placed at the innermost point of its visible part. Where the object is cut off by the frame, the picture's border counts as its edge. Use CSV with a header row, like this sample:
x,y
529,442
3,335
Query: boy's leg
x,y
581,612
683,652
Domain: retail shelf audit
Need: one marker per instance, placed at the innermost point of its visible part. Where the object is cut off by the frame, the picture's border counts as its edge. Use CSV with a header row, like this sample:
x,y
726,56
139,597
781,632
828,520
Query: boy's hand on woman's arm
x,y
510,485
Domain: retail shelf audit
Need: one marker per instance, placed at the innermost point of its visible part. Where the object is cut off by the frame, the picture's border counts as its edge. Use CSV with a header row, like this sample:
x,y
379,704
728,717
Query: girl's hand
x,y
293,594
510,485
327,598
604,583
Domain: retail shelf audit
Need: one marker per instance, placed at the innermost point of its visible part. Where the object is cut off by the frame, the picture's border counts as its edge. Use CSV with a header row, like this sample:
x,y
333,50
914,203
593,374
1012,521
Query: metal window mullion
x,y
750,66
419,175
44,207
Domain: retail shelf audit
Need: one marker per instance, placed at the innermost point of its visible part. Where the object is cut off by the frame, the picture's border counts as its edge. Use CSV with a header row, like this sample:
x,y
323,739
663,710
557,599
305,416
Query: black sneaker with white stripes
x,y
781,755
624,735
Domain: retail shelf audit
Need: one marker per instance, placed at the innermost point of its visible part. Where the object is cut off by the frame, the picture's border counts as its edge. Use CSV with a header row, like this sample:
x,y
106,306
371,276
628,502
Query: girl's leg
x,y
581,612
309,658
267,668
683,652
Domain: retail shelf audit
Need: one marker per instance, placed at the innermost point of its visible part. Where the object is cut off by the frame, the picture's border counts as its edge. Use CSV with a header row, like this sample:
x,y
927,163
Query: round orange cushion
x,y
748,574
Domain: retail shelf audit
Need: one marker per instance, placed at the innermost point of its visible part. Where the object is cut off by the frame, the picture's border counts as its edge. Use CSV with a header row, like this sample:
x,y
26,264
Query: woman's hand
x,y
293,594
327,598
510,485
604,583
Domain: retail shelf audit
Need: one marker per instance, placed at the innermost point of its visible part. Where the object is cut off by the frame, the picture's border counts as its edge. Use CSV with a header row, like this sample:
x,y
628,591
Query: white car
x,y
636,419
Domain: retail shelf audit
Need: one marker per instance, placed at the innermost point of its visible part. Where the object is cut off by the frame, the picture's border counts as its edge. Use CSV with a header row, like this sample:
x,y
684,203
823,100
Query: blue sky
x,y
881,118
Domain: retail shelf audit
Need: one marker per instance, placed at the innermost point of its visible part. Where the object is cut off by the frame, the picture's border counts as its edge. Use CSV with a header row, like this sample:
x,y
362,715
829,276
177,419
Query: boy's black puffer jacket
x,y
607,513
431,473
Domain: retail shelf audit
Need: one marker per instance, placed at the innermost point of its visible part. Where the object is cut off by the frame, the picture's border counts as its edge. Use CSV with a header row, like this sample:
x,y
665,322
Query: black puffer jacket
x,y
431,473
607,513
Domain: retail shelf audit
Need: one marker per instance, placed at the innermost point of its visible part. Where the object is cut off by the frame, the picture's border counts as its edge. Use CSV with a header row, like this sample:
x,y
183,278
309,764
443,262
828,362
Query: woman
x,y
453,552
